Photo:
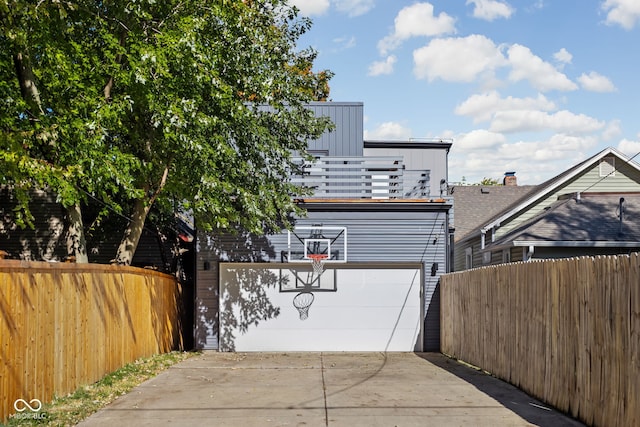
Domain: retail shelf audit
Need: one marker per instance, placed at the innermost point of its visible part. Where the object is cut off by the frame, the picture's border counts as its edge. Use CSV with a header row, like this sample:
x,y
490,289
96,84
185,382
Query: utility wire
x,y
628,161
128,219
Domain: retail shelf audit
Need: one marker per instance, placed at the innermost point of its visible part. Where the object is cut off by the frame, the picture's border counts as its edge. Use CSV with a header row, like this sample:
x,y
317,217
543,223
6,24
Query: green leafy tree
x,y
144,103
489,181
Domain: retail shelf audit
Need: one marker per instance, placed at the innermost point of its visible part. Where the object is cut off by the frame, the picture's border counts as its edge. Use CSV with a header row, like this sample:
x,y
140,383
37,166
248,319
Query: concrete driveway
x,y
325,389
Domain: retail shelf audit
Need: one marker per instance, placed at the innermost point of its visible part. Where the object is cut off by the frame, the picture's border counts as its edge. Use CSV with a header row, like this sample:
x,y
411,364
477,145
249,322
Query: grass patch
x,y
75,407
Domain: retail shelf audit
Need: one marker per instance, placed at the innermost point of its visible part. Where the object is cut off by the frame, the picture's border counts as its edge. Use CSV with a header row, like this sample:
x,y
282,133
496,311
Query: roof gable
x,y
556,184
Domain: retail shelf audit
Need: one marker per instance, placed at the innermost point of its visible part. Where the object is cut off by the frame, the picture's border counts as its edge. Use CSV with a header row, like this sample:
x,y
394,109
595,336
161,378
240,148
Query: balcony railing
x,y
362,177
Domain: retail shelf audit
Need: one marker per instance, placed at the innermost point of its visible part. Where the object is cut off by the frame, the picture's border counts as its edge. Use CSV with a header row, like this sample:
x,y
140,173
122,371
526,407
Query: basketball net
x,y
317,262
302,302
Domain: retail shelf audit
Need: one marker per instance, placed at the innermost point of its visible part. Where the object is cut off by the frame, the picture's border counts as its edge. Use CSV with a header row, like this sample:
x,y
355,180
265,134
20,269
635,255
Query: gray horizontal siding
x,y
373,236
46,240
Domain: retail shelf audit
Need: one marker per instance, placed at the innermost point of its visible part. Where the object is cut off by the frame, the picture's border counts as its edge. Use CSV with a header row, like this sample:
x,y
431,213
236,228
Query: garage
x,y
356,307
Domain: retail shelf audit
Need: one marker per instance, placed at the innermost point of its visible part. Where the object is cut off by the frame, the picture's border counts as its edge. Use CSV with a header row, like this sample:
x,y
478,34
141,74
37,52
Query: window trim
x,y
486,258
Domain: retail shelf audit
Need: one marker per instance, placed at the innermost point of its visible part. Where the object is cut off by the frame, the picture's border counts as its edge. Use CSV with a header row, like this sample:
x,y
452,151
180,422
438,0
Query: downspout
x,y
529,253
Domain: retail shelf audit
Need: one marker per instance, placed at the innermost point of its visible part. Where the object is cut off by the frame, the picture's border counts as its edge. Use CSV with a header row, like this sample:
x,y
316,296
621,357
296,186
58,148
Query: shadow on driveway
x,y
325,389
509,396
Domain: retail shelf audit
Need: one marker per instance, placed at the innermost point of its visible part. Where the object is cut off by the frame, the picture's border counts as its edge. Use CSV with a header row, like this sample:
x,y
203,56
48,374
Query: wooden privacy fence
x,y
65,325
565,331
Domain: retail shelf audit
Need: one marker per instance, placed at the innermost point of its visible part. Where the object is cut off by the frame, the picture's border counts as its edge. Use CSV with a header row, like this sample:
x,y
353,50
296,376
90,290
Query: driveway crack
x,y
324,391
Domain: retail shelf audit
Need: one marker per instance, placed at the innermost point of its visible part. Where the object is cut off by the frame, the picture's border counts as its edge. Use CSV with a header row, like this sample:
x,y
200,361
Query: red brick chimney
x,y
510,179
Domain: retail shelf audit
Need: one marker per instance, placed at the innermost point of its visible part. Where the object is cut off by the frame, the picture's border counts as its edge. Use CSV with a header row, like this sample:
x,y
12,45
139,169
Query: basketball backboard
x,y
305,241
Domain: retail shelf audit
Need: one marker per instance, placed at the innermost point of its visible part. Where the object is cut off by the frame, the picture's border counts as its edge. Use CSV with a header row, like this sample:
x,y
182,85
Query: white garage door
x,y
372,309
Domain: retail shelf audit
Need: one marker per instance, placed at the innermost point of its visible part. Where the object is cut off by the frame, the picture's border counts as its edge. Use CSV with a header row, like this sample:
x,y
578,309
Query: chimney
x,y
510,179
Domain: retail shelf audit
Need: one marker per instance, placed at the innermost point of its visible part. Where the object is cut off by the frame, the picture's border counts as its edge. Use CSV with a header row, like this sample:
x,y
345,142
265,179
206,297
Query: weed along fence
x,y
565,331
66,325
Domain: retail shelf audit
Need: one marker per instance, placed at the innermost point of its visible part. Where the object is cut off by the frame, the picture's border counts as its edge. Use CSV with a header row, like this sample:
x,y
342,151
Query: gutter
x,y
406,205
577,244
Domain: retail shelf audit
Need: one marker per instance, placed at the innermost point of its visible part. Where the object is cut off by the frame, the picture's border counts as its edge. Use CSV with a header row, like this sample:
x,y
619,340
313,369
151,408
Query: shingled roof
x,y
475,205
591,220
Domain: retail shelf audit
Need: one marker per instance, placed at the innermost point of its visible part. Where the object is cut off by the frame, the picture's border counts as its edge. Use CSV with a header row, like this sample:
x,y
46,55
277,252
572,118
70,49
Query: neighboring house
x,y
590,209
170,250
476,204
382,202
46,240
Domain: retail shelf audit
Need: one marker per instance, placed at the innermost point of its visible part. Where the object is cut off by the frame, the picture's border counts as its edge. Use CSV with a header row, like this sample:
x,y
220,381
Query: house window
x,y
506,256
468,258
608,166
486,258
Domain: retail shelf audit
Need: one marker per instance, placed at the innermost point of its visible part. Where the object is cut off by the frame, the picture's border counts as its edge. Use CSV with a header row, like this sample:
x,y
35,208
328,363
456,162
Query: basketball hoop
x,y
317,262
302,302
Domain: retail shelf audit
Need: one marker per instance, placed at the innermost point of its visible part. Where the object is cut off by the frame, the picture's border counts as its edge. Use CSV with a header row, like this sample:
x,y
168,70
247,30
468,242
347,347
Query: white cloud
x,y
467,59
343,43
483,106
538,5
540,74
415,21
479,139
563,56
561,143
534,161
630,148
531,120
311,7
613,130
382,67
622,12
457,59
388,131
354,7
595,82
491,9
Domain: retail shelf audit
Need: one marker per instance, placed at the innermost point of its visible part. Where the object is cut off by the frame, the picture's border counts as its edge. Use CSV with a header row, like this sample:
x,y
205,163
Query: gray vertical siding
x,y
392,235
346,138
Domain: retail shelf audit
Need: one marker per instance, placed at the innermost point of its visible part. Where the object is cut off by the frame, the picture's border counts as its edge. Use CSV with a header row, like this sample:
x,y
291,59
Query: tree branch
x,y
109,86
27,82
163,181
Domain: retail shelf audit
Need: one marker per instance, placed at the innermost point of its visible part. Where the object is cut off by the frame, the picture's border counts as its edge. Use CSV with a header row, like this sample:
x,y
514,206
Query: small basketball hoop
x,y
317,262
302,302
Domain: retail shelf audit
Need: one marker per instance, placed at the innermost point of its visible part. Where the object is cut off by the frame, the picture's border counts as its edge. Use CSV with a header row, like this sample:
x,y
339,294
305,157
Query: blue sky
x,y
531,86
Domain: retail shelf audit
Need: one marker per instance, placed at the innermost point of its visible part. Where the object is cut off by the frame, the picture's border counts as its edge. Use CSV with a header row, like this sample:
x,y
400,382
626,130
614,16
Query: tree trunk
x,y
132,234
76,243
27,82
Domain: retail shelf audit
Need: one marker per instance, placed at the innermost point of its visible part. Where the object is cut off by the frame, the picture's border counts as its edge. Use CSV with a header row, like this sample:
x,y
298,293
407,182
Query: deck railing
x,y
362,177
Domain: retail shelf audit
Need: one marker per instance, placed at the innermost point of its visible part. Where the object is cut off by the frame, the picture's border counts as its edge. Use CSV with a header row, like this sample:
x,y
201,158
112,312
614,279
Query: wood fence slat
x,y
65,325
632,416
566,331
